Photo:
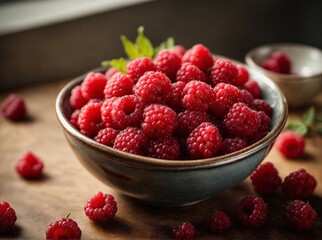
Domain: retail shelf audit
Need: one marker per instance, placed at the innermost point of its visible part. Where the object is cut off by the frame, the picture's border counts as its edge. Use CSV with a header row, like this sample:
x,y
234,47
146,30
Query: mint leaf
x,y
119,64
167,44
309,116
298,127
144,45
130,48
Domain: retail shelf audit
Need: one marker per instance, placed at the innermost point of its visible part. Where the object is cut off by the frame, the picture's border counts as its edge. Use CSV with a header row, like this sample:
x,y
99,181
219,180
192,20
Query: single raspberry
x,y
230,145
101,207
299,185
118,85
153,87
90,120
254,88
242,76
167,62
7,216
262,105
131,140
223,71
271,64
204,141
290,144
265,179
93,86
76,99
174,100
299,215
218,222
185,230
106,112
110,72
29,166
73,119
14,108
189,72
106,136
127,111
159,121
247,98
197,96
164,148
200,56
263,129
189,120
241,121
251,211
137,67
65,228
179,50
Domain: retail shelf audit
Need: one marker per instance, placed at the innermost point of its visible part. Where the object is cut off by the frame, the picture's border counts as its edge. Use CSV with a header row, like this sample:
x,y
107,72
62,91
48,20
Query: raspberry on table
x,y
185,230
299,185
189,120
101,207
189,72
200,56
29,166
230,145
290,144
93,86
14,108
251,211
65,228
218,222
254,88
242,76
299,215
76,99
7,216
164,148
167,62
223,71
106,136
174,100
90,119
118,85
137,67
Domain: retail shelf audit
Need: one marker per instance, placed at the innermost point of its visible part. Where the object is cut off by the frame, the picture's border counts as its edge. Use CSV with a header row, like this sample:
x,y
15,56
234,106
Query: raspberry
x,y
73,119
90,120
218,222
242,76
204,141
101,207
283,61
77,100
174,100
118,85
93,86
247,98
106,136
189,120
290,144
265,179
197,96
241,120
189,72
29,166
262,130
223,71
271,64
7,216
262,105
110,72
153,87
299,185
299,215
251,211
131,140
230,145
137,67
254,88
167,62
165,148
179,50
200,56
65,228
185,230
106,112
159,121
14,108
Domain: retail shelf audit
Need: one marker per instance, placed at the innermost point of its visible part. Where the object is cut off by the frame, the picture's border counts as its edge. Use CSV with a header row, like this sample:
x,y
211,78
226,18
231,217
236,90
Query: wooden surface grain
x,y
66,185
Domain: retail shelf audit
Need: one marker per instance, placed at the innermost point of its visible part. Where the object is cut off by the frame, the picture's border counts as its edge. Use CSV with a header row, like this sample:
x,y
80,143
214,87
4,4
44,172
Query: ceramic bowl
x,y
305,82
171,182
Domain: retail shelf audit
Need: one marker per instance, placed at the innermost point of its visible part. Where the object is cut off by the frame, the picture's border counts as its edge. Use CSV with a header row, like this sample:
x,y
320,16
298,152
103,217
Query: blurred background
x,y
55,39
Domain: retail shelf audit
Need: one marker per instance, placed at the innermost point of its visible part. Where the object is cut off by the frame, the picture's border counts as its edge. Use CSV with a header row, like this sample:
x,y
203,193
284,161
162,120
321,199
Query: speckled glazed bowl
x,y
171,182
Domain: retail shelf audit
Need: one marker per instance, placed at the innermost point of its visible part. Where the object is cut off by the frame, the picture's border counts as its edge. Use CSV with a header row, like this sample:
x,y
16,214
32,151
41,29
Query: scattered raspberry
x,y
218,222
242,76
110,72
179,50
230,145
118,85
101,207
265,179
106,112
77,100
73,119
200,56
174,99
185,230
290,144
167,62
14,108
262,105
66,228
299,215
29,166
251,211
223,71
93,86
137,67
7,216
189,120
90,120
254,88
164,148
189,72
131,140
299,185
106,136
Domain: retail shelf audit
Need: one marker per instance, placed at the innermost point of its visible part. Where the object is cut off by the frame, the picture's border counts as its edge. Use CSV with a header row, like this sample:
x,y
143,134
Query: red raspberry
x,y
242,76
106,112
7,216
200,56
299,215
14,108
153,87
262,105
167,62
29,166
265,179
110,72
283,60
77,100
65,228
247,98
93,86
137,67
204,141
299,185
218,222
131,140
106,136
174,100
254,88
271,64
223,71
189,120
230,145
290,144
189,72
73,119
262,130
251,211
118,85
185,230
101,207
165,148
179,50
241,121
90,120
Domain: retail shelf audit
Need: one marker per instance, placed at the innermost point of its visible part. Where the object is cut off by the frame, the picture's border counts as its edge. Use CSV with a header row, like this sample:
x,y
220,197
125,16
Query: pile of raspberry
x,y
182,104
277,61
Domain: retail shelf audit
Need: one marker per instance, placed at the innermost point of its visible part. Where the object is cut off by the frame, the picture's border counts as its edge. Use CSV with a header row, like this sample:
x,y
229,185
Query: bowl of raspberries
x,y
295,68
174,127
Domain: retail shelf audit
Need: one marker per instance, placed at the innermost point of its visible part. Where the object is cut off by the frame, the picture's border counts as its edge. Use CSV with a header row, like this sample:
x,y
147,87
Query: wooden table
x,y
66,185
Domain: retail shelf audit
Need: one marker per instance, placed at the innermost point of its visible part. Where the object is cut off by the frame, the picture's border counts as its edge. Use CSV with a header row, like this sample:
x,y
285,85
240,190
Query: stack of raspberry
x,y
183,104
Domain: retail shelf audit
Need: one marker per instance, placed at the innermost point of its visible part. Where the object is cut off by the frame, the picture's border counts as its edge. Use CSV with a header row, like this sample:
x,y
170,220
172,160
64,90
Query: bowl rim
x,y
164,163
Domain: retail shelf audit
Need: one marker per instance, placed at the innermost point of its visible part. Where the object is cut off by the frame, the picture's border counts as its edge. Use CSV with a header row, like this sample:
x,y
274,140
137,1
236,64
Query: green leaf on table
x,y
130,48
143,44
119,64
298,127
309,116
167,44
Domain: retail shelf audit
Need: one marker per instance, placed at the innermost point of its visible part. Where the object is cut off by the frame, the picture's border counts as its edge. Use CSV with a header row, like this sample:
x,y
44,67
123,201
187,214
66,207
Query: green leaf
x,y
144,45
309,116
298,126
119,64
130,48
167,44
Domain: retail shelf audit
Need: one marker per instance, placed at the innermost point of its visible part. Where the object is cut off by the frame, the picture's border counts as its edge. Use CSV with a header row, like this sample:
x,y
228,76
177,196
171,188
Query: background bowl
x,y
171,182
306,82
